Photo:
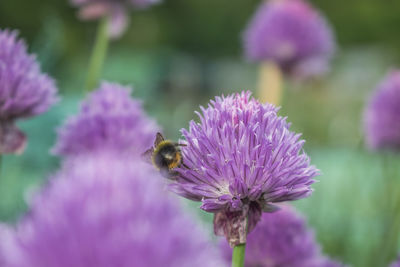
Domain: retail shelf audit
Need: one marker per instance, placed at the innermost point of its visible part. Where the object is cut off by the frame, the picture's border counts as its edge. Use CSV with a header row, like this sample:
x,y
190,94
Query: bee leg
x,y
183,164
173,175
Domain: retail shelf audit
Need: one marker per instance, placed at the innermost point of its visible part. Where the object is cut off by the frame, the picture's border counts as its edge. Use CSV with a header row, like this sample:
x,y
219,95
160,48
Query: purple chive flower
x,y
109,120
117,10
381,117
281,239
293,35
240,158
24,90
107,212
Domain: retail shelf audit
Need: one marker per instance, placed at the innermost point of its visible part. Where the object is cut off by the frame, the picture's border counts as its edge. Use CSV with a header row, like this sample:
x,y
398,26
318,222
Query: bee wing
x,y
159,139
146,156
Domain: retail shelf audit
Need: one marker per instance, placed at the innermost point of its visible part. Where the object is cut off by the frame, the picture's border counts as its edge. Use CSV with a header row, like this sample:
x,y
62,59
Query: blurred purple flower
x,y
381,117
293,35
281,239
323,262
239,159
24,90
116,9
109,120
396,263
3,231
107,212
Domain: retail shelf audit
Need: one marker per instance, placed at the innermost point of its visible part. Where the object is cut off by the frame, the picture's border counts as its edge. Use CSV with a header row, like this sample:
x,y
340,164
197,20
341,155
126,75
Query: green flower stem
x,y
239,250
392,207
98,54
238,255
1,164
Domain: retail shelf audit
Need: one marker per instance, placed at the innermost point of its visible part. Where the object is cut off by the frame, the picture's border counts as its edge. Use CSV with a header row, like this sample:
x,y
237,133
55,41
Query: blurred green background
x,y
179,54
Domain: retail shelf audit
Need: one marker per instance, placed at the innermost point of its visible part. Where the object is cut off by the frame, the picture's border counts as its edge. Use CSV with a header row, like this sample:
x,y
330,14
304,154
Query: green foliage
x,y
353,208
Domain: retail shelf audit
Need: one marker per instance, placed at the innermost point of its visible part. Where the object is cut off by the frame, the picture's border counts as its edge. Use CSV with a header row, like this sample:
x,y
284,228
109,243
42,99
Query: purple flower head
x,y
117,10
293,35
109,120
107,212
24,90
281,239
240,158
381,117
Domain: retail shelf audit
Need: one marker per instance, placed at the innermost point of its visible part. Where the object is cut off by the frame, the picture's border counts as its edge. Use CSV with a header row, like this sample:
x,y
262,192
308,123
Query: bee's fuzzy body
x,y
166,155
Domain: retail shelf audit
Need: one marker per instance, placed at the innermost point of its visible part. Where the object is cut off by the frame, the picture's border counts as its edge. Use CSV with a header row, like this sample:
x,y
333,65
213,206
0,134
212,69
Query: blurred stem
x,y
391,235
238,255
270,83
98,54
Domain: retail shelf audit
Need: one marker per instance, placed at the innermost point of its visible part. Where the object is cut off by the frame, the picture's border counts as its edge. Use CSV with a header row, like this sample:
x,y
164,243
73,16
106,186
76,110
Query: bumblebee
x,y
165,156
